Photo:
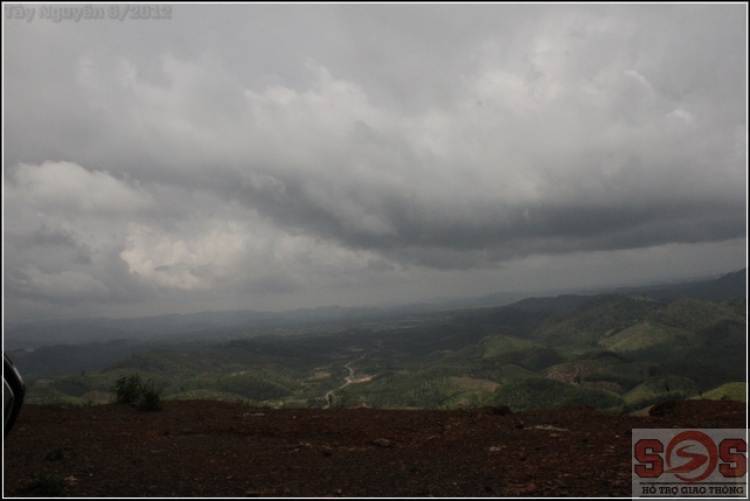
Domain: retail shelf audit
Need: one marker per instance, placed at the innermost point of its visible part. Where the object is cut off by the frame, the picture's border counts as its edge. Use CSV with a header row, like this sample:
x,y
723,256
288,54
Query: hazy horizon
x,y
437,300
273,157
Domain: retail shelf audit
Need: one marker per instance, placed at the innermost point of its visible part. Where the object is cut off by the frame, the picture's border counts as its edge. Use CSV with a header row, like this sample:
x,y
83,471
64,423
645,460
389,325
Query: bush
x,y
150,398
132,390
128,389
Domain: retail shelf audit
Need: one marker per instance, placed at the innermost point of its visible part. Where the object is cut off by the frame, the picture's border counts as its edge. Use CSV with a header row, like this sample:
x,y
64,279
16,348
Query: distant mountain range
x,y
732,286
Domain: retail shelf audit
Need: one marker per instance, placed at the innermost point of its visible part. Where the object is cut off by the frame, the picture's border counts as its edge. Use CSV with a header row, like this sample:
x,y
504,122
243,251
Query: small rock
x,y
549,427
55,455
520,489
248,414
382,442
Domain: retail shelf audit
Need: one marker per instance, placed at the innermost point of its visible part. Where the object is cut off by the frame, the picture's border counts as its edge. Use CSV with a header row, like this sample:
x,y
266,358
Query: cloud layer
x,y
369,145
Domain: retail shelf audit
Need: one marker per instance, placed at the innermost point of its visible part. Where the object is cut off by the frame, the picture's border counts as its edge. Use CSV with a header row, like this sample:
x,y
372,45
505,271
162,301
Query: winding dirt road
x,y
347,381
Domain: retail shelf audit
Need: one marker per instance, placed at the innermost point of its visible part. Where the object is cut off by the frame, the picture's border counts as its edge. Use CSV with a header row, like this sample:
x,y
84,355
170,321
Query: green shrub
x,y
128,389
150,398
132,390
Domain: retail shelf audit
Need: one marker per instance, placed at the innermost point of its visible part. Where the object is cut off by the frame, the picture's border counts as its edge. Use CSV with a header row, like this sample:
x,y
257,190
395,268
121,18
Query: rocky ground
x,y
206,448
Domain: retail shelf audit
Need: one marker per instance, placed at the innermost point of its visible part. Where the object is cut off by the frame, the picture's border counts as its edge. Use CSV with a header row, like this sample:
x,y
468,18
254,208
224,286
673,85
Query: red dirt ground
x,y
207,448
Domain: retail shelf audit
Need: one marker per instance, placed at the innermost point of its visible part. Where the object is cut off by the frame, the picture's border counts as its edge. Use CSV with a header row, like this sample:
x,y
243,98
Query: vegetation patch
x,y
645,334
541,393
502,345
656,387
694,314
133,390
514,372
729,391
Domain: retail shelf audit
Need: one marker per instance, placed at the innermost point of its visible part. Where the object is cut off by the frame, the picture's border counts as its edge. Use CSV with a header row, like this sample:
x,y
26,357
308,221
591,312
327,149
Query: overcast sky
x,y
276,156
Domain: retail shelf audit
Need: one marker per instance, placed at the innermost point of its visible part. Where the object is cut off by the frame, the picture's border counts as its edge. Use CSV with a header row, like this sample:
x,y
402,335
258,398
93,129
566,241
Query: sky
x,y
277,156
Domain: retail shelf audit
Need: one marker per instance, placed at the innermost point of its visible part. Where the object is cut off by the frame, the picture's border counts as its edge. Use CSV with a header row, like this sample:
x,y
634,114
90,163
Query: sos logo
x,y
691,456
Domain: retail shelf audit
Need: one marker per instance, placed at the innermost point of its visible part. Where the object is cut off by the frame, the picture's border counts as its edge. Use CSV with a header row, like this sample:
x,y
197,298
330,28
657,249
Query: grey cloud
x,y
44,236
272,284
598,225
53,250
58,240
274,148
82,258
380,265
46,276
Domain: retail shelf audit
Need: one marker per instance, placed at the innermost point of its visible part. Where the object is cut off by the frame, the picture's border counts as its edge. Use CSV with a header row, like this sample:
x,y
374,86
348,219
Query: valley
x,y
612,352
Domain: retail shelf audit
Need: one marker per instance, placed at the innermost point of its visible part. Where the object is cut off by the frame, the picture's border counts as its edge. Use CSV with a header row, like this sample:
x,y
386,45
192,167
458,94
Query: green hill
x,y
540,393
730,391
497,346
645,334
695,315
609,352
599,318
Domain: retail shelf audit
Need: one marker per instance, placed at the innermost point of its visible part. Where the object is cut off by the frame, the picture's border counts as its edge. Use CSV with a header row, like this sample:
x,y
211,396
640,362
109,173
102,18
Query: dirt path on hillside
x,y
347,381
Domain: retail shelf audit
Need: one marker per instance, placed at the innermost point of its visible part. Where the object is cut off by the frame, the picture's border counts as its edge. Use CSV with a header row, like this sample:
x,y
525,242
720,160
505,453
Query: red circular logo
x,y
697,458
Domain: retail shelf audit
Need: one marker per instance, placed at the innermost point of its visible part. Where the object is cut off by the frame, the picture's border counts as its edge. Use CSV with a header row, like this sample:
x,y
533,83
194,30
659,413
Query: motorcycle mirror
x,y
13,393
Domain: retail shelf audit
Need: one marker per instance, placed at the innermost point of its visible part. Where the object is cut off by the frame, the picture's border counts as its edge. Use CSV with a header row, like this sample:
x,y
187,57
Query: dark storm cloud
x,y
500,232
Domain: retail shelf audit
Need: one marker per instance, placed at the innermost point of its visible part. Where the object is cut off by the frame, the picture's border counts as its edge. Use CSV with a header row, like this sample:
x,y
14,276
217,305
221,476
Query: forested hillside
x,y
610,352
